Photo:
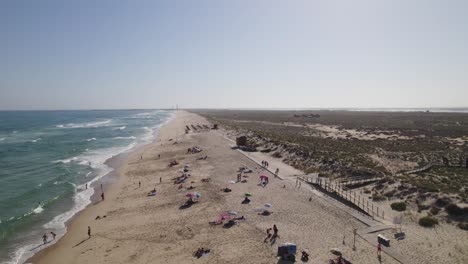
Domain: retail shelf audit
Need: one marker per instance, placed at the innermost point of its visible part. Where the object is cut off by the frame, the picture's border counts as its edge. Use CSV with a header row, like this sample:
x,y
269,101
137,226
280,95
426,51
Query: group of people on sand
x,y
272,237
45,238
265,165
194,150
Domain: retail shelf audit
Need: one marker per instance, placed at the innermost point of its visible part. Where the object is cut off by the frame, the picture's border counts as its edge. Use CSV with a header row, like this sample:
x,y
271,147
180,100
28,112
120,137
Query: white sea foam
x,y
81,125
81,199
120,128
35,140
82,195
91,139
131,137
1,139
66,160
38,210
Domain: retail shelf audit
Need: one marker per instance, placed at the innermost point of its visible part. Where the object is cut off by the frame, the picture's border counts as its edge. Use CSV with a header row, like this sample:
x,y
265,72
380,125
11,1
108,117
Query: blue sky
x,y
218,54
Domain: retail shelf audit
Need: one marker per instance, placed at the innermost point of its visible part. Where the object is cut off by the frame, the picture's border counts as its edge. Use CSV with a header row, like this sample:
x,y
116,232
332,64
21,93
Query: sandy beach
x,y
136,228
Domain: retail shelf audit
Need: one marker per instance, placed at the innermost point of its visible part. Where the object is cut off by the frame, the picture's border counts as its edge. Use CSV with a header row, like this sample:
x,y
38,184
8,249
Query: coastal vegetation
x,y
420,157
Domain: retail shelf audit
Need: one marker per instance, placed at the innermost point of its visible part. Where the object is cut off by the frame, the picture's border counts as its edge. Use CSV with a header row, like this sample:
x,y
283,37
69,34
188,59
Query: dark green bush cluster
x,y
453,209
378,197
428,221
463,225
398,206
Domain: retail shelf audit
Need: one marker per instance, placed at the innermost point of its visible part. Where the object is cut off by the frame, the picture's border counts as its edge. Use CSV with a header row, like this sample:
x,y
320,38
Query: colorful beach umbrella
x,y
193,195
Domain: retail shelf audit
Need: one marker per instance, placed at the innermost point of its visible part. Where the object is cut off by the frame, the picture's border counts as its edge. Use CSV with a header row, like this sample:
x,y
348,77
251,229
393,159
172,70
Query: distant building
x,y
241,141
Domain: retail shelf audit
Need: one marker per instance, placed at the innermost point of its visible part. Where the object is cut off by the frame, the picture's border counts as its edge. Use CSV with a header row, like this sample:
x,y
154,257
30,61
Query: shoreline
x,y
143,229
108,181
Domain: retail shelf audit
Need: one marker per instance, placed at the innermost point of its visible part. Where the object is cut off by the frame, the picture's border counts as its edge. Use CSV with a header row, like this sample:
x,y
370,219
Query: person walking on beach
x,y
379,249
139,184
268,231
102,196
89,232
44,238
275,232
53,235
86,186
276,172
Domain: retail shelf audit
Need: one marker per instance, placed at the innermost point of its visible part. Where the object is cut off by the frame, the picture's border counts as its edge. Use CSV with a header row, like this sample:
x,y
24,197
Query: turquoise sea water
x,y
47,157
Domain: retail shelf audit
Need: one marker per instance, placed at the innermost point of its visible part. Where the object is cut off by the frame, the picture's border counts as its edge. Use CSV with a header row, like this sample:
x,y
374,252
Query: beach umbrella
x,y
247,194
193,195
232,213
263,177
225,216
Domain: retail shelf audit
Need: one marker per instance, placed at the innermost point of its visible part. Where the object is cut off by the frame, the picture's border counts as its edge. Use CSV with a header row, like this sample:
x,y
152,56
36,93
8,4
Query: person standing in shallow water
x,y
44,239
53,235
89,232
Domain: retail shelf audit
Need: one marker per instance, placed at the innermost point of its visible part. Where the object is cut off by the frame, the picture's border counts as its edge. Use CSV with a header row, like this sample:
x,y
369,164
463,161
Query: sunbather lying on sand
x,y
265,213
339,260
201,252
173,163
246,200
152,192
226,190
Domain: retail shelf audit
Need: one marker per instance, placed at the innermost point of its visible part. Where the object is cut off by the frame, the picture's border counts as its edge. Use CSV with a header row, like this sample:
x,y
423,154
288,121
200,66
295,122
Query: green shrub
x,y
454,209
463,225
377,197
277,155
398,206
435,210
428,221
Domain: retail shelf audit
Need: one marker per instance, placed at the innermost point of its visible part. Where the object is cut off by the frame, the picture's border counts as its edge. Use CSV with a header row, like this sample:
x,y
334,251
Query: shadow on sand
x,y
40,245
81,242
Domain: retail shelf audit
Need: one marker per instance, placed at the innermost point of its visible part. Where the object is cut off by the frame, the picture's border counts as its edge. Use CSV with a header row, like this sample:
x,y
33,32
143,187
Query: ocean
x,y
46,160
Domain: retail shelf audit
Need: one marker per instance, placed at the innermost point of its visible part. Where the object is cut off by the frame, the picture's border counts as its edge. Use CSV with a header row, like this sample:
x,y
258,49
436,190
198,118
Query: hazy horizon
x,y
73,55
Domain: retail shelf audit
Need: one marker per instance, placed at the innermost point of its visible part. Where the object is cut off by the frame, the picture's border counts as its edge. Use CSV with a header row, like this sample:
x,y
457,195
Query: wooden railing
x,y
352,197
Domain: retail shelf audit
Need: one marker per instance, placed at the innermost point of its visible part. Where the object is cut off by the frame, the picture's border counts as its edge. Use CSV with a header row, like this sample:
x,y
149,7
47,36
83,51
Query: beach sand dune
x,y
142,229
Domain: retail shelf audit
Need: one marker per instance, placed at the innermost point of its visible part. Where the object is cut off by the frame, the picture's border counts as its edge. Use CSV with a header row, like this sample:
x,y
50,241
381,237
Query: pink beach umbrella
x,y
193,195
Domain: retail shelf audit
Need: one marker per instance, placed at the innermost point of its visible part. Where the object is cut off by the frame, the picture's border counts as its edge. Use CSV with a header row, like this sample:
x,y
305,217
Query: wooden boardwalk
x,y
339,191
